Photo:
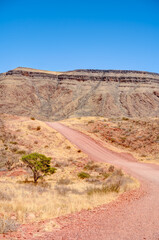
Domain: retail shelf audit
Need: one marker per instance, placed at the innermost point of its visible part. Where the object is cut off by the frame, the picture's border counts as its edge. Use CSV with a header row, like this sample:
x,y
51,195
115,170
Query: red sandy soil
x,y
13,173
134,216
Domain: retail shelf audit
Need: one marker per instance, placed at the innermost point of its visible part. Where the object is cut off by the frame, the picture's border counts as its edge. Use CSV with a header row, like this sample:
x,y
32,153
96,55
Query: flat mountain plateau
x,y
48,95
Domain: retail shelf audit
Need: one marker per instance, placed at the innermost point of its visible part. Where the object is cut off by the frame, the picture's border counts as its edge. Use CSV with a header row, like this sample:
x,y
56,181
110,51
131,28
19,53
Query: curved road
x,y
134,216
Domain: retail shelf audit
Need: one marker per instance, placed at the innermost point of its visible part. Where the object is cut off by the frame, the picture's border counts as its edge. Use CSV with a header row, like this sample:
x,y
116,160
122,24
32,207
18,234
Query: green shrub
x,y
125,119
83,175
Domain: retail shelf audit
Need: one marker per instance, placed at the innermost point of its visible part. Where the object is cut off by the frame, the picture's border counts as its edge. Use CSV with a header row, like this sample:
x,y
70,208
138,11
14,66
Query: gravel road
x,y
135,215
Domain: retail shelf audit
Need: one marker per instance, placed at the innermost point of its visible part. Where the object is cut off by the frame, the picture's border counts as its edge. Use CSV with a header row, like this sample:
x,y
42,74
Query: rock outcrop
x,y
57,95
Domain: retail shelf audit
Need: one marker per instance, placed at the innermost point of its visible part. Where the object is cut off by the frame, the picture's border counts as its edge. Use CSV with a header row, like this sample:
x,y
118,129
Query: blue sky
x,y
66,35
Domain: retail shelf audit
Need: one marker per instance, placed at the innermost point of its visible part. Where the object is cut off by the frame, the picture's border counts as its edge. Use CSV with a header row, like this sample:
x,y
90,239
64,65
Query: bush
x,y
13,143
68,147
106,175
32,118
125,119
64,181
38,128
8,225
95,131
14,149
90,166
62,190
111,168
5,197
39,164
21,152
83,175
112,140
118,172
9,164
61,164
91,121
114,187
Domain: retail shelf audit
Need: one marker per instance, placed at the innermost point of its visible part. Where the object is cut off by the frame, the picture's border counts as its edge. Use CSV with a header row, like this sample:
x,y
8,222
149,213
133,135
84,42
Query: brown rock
x,y
53,95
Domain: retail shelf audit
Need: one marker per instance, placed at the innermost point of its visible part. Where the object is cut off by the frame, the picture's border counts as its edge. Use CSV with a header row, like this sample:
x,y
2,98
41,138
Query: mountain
x,y
50,95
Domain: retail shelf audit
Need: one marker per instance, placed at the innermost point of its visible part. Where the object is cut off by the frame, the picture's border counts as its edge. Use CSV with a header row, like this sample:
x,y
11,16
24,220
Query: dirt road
x,y
134,215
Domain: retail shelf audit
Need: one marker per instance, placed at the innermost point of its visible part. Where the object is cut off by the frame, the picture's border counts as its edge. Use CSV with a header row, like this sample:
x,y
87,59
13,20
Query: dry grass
x,y
58,195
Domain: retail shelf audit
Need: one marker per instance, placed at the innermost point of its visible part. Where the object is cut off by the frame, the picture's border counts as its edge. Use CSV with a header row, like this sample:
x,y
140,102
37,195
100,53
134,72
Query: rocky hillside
x,y
56,95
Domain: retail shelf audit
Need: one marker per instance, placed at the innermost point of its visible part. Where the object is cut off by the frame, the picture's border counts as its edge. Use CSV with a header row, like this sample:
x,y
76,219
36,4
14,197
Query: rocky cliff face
x,y
56,95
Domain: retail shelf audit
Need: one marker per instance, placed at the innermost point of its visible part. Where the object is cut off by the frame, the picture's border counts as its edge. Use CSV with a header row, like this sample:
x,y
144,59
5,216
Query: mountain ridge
x,y
49,95
83,70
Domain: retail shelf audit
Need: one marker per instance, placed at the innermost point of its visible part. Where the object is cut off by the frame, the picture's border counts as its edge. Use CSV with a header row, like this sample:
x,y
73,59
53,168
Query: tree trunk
x,y
35,177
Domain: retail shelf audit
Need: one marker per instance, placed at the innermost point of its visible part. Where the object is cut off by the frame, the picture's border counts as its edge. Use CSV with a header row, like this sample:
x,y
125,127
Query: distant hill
x,y
50,95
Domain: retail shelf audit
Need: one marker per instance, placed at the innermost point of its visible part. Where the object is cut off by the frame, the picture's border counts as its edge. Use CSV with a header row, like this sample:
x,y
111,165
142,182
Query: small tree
x,y
39,164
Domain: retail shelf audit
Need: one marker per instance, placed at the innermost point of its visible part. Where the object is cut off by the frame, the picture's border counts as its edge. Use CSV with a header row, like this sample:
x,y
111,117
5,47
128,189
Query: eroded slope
x,y
58,95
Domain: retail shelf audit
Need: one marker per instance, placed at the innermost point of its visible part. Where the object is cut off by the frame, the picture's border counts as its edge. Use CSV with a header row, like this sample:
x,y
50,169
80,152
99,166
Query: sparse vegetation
x,y
61,193
137,136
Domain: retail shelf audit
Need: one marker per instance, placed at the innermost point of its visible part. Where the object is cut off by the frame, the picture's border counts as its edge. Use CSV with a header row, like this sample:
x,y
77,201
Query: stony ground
x,y
140,137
